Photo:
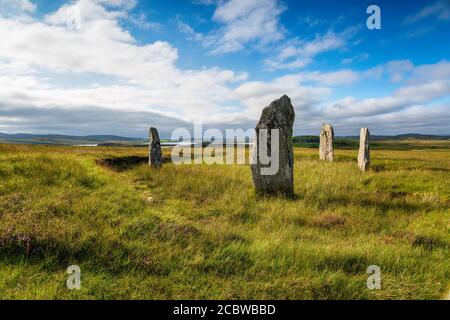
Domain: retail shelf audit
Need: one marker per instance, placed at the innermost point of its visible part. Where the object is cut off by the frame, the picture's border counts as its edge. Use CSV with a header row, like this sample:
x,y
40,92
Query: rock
x,y
155,158
364,149
326,142
274,176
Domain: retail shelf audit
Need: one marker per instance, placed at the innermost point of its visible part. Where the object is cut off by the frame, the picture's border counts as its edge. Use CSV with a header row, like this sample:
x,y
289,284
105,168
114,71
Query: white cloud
x,y
357,58
243,23
247,21
102,48
126,4
16,8
22,5
332,78
141,21
430,72
415,119
255,24
311,92
146,76
192,35
395,70
400,99
437,10
256,95
398,69
97,77
297,54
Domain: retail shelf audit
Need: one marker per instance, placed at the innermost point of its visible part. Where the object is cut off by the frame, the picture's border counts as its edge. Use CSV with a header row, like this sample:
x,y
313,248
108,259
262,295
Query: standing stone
x,y
364,149
155,158
278,115
326,142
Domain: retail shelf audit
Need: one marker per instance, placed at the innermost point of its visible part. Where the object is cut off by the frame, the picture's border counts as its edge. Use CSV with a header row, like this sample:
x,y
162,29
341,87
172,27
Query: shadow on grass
x,y
429,242
277,195
114,256
377,167
120,164
434,169
382,205
350,264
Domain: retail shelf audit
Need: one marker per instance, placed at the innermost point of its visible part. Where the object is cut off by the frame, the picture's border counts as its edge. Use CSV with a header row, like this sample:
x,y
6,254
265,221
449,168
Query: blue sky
x,y
118,66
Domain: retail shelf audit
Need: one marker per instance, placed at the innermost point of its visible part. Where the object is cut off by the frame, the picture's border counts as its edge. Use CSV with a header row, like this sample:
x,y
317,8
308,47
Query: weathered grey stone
x,y
364,149
155,158
278,115
326,151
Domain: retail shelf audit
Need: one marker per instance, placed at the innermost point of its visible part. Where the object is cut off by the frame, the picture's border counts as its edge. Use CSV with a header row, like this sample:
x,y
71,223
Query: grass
x,y
385,144
198,231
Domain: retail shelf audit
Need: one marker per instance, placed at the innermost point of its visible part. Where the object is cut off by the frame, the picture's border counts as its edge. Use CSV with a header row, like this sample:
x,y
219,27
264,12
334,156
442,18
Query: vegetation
x,y
198,231
314,141
380,143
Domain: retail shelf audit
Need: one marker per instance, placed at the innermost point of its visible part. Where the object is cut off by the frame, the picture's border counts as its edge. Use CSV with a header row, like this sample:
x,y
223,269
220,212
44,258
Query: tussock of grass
x,y
199,231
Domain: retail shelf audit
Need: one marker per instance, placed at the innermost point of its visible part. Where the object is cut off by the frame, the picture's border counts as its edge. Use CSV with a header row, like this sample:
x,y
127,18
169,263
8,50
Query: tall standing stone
x,y
326,151
155,158
364,149
278,115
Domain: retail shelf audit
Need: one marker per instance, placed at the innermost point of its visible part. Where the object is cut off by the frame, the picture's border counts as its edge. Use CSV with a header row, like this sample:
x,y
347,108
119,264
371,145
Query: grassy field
x,y
198,231
385,144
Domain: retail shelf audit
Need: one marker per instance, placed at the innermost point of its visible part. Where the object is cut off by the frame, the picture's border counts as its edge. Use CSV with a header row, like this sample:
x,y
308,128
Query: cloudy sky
x,y
118,66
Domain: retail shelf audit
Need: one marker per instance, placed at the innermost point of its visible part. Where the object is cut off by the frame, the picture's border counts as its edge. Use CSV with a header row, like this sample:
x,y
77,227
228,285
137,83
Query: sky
x,y
119,66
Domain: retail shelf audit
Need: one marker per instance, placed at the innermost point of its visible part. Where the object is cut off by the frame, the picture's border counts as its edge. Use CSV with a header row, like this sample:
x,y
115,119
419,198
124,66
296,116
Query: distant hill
x,y
407,136
313,142
58,139
345,142
398,142
65,137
